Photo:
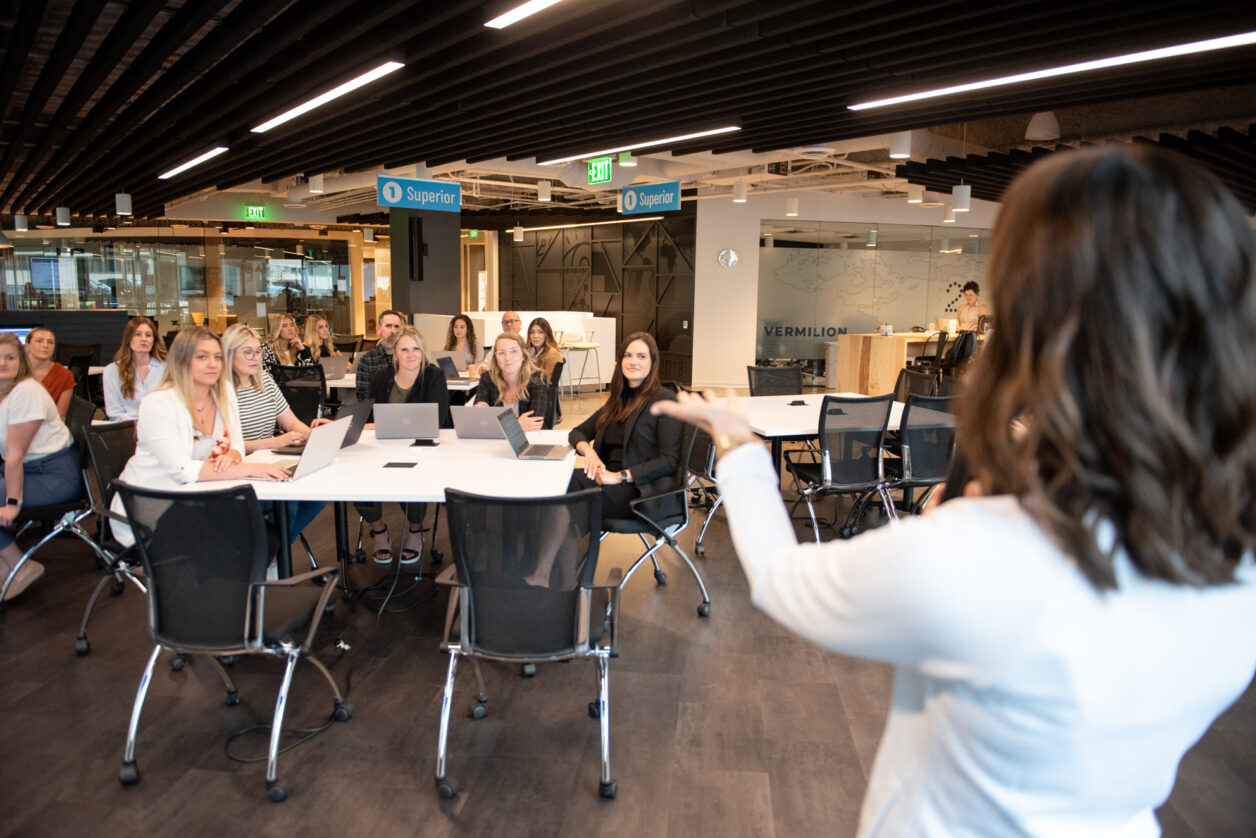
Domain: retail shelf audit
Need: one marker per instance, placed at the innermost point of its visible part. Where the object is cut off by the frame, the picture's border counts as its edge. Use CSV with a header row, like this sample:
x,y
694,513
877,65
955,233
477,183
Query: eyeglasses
x,y
250,354
515,320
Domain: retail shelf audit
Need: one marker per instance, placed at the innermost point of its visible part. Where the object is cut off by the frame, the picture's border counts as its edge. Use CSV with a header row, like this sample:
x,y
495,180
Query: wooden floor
x,y
726,726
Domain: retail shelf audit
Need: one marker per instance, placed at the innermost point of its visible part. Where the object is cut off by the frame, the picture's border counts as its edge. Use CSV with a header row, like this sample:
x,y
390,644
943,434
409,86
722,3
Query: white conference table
x,y
350,381
777,419
361,473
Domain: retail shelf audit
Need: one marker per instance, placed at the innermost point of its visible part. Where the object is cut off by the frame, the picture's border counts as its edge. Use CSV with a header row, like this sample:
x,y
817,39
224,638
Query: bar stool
x,y
588,347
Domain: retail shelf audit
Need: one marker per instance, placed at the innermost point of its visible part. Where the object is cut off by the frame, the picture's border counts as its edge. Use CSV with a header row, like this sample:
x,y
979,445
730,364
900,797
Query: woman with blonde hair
x,y
285,348
318,337
136,371
513,381
1067,628
40,462
461,338
188,429
412,378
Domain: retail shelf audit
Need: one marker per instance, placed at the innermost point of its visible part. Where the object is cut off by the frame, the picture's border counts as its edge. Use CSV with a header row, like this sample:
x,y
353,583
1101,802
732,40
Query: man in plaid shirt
x,y
366,366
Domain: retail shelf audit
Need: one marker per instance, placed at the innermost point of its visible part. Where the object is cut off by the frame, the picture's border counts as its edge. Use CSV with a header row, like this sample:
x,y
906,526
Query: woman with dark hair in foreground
x,y
1064,632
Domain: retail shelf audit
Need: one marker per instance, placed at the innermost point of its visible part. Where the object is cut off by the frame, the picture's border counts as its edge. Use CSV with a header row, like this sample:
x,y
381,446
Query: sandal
x,y
410,552
383,555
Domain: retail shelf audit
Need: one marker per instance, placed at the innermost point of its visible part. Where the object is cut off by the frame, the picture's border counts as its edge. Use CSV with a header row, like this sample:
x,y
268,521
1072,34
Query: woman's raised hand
x,y
718,416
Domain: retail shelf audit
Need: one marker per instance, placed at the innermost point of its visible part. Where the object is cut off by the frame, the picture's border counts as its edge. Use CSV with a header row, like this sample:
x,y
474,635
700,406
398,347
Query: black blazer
x,y
538,400
429,386
651,451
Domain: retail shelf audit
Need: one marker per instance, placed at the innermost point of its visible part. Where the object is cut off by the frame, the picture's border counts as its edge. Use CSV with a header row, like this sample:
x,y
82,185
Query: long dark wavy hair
x,y
1125,293
623,400
451,342
124,359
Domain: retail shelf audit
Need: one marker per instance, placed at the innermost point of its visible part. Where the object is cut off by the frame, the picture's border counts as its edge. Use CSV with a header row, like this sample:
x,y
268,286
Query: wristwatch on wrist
x,y
14,502
623,475
727,442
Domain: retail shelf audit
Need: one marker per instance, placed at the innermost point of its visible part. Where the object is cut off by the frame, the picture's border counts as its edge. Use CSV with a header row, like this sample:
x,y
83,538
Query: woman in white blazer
x,y
189,428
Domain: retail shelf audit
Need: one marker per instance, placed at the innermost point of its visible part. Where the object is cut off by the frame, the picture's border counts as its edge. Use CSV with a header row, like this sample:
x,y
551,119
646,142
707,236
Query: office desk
x,y
485,466
868,364
777,421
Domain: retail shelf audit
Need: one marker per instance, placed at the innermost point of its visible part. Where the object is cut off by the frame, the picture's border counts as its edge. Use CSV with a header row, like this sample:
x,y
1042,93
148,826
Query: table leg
x,y
285,547
776,454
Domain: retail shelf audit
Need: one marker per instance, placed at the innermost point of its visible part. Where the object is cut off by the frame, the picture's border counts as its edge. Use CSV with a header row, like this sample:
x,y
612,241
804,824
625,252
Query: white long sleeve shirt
x,y
1025,701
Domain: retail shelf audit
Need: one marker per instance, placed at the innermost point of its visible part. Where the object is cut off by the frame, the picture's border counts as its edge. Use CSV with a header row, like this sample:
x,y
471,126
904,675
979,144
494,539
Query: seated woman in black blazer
x,y
411,378
512,380
628,451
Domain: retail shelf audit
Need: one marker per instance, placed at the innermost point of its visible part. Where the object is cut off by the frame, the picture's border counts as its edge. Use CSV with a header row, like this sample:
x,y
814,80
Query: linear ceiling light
x,y
335,93
196,161
519,12
596,223
681,138
1228,42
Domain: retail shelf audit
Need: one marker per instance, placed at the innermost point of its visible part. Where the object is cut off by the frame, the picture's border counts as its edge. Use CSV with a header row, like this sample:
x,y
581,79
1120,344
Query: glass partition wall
x,y
819,279
187,275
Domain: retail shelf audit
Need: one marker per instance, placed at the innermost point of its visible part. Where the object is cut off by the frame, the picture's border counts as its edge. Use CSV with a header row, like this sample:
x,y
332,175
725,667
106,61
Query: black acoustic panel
x,y
549,289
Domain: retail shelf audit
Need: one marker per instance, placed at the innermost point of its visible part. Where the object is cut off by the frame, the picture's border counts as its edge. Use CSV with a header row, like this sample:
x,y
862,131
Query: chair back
x,y
551,406
984,323
347,344
674,386
201,552
701,461
913,382
927,433
305,389
852,439
947,386
80,367
79,416
109,447
960,352
526,564
775,381
65,352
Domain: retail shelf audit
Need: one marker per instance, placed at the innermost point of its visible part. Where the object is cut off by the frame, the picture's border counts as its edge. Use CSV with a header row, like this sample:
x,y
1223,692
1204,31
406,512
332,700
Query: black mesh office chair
x,y
58,518
914,382
985,322
80,367
108,449
65,352
775,381
706,495
926,439
663,522
959,353
208,595
305,389
852,438
523,575
948,386
348,344
554,414
930,358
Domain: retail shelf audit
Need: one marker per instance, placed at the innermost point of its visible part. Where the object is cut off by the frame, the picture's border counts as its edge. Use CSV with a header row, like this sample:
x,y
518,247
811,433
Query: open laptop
x,y
478,422
420,420
320,449
445,360
334,366
519,441
356,412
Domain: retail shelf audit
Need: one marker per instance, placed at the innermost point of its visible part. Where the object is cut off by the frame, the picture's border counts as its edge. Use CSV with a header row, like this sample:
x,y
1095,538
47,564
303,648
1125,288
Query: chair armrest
x,y
448,576
333,572
257,590
611,590
633,504
612,579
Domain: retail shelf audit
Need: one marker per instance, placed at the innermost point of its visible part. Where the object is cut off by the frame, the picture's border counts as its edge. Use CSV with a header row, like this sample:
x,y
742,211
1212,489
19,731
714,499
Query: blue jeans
x,y
300,514
56,478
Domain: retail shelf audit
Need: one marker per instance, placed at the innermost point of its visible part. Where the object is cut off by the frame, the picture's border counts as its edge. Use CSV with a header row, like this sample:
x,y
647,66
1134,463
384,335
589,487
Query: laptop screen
x,y
514,431
448,366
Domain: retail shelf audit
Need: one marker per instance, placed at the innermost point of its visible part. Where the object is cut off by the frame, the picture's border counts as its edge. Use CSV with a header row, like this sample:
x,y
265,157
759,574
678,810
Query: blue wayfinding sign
x,y
651,197
419,194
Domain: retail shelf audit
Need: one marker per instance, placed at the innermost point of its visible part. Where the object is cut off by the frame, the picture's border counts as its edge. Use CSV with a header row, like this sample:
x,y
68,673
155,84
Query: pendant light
x,y
791,207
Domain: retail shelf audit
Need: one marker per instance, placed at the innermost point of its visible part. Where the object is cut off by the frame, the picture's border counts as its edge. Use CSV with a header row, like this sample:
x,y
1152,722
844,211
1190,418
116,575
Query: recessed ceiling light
x,y
335,93
665,141
196,161
1227,42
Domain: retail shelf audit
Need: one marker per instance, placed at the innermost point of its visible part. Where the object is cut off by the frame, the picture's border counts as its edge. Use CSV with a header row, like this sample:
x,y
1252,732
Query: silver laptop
x,y
320,449
478,421
519,441
334,366
420,420
449,365
356,412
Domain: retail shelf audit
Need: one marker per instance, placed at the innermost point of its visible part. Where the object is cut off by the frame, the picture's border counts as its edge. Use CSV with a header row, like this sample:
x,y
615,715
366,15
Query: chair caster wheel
x,y
117,587
346,595
319,580
233,698
595,711
608,790
343,712
360,556
437,556
129,775
176,663
527,670
227,660
330,607
81,646
276,792
479,710
446,787
660,577
704,610
700,550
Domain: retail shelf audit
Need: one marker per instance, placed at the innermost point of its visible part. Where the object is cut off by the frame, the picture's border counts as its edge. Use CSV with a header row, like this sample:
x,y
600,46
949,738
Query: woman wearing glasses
x,y
136,371
189,428
1064,631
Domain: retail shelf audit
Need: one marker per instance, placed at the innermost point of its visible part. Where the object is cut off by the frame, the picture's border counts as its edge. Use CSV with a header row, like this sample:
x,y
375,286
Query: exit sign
x,y
475,234
600,170
254,213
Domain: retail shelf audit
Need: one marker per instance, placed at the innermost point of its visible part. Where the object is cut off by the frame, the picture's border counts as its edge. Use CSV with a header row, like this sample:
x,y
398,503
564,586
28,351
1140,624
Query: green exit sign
x,y
600,170
475,234
254,213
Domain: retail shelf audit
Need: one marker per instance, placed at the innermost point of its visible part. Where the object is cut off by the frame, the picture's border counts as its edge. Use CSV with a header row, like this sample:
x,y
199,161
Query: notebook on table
x,y
320,450
518,440
334,366
420,420
356,412
478,421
